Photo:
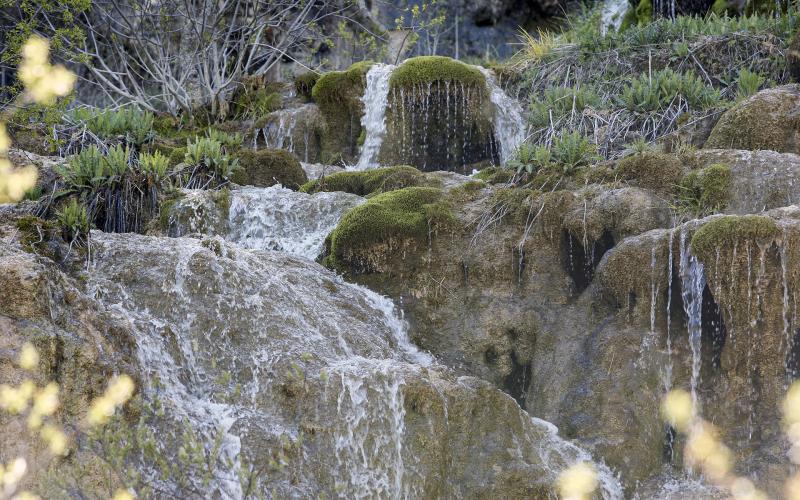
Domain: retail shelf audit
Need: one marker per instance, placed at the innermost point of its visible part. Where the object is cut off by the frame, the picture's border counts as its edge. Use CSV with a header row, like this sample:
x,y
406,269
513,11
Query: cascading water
x,y
272,352
693,283
273,218
376,98
509,126
612,13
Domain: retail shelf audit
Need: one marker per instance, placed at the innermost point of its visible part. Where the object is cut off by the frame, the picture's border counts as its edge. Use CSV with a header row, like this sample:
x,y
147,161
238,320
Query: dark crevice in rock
x,y
669,444
580,264
793,358
713,334
516,383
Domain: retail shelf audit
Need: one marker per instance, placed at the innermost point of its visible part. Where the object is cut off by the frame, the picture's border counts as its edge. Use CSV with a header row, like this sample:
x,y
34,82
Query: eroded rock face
x,y
327,381
767,120
80,344
297,130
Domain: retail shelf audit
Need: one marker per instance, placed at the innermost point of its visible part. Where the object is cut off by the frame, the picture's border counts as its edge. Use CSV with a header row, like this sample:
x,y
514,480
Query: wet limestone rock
x,y
766,120
439,116
758,180
80,344
298,130
267,167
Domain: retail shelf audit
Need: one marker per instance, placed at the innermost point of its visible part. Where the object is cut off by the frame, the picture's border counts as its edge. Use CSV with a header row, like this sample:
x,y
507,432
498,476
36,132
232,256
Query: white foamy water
x,y
273,218
612,13
375,99
510,128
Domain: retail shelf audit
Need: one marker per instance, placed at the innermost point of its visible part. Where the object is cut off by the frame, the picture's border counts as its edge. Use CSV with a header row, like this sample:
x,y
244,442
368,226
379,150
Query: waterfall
x,y
693,283
375,101
612,13
273,218
510,128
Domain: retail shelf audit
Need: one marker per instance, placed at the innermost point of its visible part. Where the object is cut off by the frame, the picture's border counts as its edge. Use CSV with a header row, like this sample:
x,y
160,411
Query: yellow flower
x,y
36,50
26,495
15,182
123,495
120,389
56,439
42,81
578,482
5,141
12,474
29,357
677,409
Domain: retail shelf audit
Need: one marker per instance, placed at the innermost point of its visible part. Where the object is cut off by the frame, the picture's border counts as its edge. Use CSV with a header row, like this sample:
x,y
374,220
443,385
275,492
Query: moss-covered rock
x,y
651,170
367,182
707,190
338,95
439,116
267,167
430,69
494,175
391,221
304,84
767,120
729,230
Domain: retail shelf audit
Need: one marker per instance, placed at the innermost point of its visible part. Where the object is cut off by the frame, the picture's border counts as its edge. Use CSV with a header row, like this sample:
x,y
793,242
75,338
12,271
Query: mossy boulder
x,y
369,234
729,230
267,167
707,190
495,175
367,182
767,120
300,130
304,84
338,95
439,116
651,170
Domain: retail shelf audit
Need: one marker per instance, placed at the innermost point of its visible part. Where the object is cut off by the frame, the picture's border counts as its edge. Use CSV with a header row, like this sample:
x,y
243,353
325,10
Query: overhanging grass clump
x,y
370,233
427,69
726,231
367,182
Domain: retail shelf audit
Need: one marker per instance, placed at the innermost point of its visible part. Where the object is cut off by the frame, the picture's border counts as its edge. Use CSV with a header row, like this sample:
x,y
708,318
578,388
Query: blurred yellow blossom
x,y
42,81
120,389
29,357
677,409
15,399
26,495
123,495
577,482
11,474
5,141
15,182
45,403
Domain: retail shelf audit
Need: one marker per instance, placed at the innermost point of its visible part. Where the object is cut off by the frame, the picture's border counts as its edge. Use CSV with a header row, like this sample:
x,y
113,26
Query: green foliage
x,y
154,166
571,151
561,101
367,182
707,190
530,158
130,124
90,169
73,220
748,83
230,141
657,91
427,69
209,163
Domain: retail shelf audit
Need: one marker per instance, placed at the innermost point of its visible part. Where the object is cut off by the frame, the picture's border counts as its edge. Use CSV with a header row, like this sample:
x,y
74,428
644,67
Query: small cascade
x,y
273,218
285,127
693,282
510,128
609,486
376,97
612,13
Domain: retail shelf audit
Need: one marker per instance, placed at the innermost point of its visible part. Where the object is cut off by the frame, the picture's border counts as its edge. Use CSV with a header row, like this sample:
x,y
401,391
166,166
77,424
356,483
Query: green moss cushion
x,y
428,69
267,167
363,183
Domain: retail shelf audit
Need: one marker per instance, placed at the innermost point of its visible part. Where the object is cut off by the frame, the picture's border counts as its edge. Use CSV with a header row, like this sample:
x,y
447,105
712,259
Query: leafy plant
x,y
209,163
657,91
571,151
748,83
129,124
154,166
74,221
232,141
562,101
530,158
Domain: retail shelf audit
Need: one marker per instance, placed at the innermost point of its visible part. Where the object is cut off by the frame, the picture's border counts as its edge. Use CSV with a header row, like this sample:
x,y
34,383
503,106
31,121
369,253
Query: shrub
x,y
657,91
748,83
74,221
209,163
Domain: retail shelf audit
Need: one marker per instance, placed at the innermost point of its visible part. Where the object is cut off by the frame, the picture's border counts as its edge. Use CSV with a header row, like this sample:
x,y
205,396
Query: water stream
x,y
509,125
375,102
